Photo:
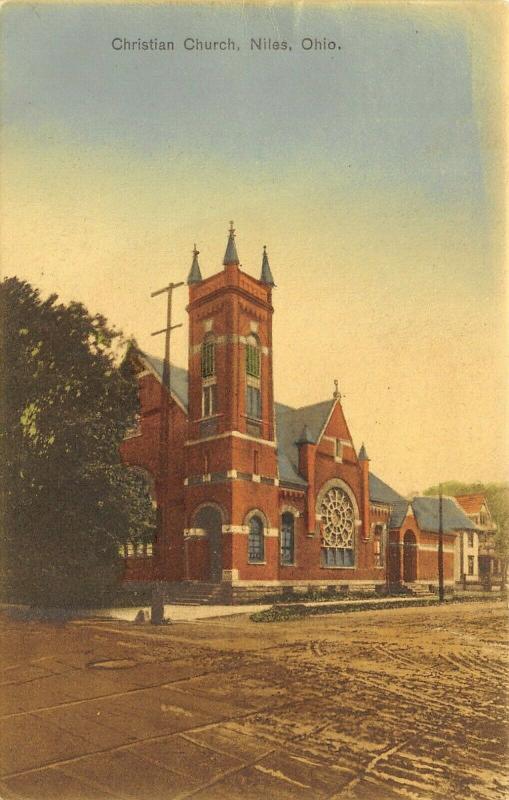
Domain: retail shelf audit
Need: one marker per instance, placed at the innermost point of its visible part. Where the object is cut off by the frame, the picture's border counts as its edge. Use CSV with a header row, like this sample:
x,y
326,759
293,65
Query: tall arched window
x,y
255,548
287,538
253,379
208,366
253,356
208,375
379,546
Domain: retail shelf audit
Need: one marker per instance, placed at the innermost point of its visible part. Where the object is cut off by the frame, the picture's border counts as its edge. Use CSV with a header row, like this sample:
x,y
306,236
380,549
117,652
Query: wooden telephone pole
x,y
440,547
157,606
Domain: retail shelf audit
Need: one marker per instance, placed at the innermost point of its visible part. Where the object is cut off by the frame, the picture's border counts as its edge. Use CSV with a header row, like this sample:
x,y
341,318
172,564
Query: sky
x,y
372,171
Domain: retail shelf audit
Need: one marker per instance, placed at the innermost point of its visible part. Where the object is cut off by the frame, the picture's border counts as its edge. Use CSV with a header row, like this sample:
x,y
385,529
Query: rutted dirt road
x,y
374,705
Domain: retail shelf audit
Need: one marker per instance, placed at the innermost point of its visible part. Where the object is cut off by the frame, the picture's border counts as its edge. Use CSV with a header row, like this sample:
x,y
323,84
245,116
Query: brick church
x,y
255,497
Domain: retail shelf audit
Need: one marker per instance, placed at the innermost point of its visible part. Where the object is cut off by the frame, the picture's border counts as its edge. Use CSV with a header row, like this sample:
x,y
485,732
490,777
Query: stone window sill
x,y
257,563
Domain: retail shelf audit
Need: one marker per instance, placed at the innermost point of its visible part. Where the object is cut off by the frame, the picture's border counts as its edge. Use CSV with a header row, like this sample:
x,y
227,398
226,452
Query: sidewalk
x,y
176,613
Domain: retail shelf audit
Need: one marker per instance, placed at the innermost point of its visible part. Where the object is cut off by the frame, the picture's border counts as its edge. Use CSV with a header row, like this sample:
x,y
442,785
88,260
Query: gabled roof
x,y
290,423
471,503
380,492
426,510
179,384
398,513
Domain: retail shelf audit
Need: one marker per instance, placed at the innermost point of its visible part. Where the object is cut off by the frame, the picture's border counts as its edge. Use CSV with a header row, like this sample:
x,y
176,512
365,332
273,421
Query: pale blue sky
x,y
371,173
395,102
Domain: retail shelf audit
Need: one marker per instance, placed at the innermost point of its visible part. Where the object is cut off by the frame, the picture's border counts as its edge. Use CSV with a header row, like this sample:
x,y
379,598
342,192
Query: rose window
x,y
338,519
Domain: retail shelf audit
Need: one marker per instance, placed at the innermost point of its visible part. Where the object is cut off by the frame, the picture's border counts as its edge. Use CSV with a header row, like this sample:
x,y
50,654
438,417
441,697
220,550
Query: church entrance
x,y
209,518
409,557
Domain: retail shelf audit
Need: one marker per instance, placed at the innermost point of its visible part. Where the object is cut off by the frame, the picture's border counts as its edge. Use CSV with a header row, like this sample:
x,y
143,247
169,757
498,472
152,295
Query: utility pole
x,y
440,546
157,606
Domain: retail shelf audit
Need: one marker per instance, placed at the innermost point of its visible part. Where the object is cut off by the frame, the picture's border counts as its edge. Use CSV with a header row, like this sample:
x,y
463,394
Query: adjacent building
x,y
475,561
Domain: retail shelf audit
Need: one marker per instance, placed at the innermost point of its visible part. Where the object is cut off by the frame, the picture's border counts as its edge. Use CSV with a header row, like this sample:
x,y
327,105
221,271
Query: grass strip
x,y
288,613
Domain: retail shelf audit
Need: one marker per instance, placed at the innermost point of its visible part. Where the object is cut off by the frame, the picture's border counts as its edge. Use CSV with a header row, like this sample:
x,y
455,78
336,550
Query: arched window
x,y
255,549
208,374
379,546
253,382
253,356
208,365
287,538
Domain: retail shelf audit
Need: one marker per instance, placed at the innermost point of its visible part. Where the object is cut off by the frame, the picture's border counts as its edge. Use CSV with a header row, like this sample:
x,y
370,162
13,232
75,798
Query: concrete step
x,y
417,590
196,593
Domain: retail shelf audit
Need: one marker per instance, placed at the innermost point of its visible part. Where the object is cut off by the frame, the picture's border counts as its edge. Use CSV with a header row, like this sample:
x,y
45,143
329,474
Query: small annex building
x,y
255,497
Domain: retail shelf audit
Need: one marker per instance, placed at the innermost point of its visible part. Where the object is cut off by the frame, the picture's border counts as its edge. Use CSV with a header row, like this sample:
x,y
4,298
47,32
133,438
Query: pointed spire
x,y
266,276
231,257
363,456
194,273
305,437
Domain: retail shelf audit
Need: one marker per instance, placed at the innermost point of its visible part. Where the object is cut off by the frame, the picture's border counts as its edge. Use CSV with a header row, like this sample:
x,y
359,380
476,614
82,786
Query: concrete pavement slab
x,y
29,742
186,757
54,784
132,776
229,740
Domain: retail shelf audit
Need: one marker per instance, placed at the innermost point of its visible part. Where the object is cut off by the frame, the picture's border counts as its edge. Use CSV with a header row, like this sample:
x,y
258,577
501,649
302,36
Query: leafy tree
x,y
67,500
497,496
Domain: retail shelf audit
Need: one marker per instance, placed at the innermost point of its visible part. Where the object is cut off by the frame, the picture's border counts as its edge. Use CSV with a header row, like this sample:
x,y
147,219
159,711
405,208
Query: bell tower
x,y
230,350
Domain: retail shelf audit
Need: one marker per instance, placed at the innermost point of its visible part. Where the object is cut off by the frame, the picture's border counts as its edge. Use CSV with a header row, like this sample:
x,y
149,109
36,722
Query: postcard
x,y
255,510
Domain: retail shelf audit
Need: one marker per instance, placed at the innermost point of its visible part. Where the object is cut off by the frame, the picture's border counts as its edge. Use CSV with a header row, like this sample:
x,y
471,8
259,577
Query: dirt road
x,y
373,705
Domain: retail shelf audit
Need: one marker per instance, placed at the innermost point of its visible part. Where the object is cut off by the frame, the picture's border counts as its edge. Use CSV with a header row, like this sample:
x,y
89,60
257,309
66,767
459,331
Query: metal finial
x,y
232,229
195,251
336,394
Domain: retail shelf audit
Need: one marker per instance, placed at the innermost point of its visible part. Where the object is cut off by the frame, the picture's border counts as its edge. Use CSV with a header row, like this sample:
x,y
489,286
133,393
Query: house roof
x,y
471,503
426,510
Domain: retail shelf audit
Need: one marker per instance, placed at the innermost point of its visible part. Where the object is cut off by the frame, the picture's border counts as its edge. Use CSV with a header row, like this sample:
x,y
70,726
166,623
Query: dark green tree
x,y
497,496
67,500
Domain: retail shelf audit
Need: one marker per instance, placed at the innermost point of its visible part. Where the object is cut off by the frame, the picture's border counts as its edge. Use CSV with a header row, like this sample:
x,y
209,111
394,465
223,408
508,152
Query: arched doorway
x,y
409,557
210,520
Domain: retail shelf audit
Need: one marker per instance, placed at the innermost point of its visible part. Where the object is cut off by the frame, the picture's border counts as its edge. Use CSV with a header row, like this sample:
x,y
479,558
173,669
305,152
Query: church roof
x,y
426,513
398,513
179,382
380,492
289,426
